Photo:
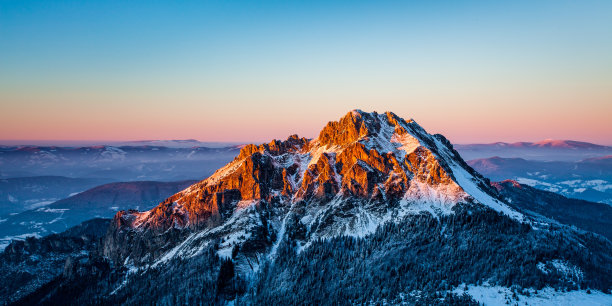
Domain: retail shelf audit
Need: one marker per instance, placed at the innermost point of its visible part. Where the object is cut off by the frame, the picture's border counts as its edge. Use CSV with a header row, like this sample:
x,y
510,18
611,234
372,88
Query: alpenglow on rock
x,y
361,171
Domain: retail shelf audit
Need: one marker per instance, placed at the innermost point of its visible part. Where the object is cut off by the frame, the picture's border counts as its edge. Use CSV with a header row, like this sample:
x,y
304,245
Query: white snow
x,y
571,272
39,203
407,143
569,188
6,240
234,231
443,196
221,173
175,251
280,236
532,182
140,218
466,181
52,210
496,295
316,155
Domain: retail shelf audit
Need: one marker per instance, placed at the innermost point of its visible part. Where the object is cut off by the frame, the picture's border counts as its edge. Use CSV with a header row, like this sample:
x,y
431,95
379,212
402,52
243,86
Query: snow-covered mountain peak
x,y
361,171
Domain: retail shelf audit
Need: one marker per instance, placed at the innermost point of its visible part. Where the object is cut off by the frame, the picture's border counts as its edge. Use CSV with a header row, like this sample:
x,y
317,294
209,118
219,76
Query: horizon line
x,y
90,142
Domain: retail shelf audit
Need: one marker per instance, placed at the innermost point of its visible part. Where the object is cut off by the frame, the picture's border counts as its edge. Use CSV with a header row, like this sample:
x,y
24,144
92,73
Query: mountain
x,y
28,264
605,159
23,193
545,150
589,179
373,210
546,143
371,158
555,143
118,163
177,143
98,202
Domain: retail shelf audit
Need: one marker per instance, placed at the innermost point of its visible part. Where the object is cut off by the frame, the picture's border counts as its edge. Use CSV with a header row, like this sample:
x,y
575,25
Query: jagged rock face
x,y
352,127
370,158
253,175
341,161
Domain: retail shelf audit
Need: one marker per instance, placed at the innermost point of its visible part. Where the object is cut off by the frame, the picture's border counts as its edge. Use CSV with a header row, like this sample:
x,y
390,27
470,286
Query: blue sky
x,y
255,70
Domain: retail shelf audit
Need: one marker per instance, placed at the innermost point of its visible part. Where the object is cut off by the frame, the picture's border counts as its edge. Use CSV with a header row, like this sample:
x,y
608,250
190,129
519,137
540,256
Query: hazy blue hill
x,y
99,202
23,193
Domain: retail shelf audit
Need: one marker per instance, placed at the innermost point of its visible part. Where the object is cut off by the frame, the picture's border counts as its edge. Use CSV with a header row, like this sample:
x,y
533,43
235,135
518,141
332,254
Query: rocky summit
x,y
364,169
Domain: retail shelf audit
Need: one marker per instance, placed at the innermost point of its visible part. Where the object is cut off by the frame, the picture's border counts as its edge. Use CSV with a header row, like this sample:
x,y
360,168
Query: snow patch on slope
x,y
496,295
407,143
466,181
234,231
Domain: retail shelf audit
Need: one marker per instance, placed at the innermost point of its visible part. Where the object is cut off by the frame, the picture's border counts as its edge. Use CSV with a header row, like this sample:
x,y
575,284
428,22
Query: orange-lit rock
x,y
358,156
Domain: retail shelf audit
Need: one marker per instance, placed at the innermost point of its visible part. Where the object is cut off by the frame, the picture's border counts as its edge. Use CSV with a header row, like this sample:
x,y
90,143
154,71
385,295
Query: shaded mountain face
x,y
589,216
98,202
28,264
373,210
362,170
589,179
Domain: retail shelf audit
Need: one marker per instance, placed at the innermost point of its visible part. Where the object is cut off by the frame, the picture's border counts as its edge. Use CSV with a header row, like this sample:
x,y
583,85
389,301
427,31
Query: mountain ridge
x,y
545,143
390,165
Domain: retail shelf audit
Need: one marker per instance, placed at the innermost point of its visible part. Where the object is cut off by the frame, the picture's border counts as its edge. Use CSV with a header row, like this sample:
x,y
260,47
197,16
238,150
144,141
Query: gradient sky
x,y
475,71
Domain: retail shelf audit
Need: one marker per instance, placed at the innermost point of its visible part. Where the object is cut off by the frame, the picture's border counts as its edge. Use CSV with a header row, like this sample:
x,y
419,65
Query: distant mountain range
x,y
183,143
547,143
588,179
99,202
375,210
116,163
545,150
169,143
